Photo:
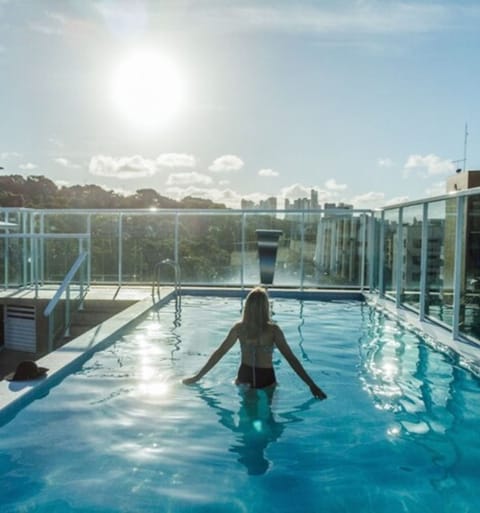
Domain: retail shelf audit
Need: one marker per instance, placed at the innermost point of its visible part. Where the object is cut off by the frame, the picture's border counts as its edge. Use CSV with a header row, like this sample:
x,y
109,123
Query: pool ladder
x,y
156,277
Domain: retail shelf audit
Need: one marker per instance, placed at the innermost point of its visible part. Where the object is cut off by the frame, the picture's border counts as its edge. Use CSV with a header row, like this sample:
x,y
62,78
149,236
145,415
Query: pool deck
x,y
60,361
101,292
9,359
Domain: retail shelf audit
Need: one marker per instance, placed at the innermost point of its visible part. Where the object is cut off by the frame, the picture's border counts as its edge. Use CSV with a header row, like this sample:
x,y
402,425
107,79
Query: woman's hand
x,y
317,392
190,381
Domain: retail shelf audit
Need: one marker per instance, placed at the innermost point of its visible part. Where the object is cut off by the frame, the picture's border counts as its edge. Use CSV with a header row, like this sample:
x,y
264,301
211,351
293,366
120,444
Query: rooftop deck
x,y
117,298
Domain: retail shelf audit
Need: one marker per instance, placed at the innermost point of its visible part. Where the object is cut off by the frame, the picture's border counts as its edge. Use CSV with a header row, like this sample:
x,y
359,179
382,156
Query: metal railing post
x,y
89,248
371,251
176,241
24,249
302,252
458,266
242,252
120,249
424,263
67,311
363,253
399,261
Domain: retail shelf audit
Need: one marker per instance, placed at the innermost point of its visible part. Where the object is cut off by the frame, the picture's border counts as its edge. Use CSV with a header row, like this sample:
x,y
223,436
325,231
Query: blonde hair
x,y
256,312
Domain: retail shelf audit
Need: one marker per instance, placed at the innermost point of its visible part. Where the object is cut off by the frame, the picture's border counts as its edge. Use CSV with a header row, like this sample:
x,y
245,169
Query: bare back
x,y
257,350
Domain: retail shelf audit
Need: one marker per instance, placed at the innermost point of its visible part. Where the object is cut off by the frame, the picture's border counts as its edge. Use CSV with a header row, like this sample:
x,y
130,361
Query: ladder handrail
x,y
156,278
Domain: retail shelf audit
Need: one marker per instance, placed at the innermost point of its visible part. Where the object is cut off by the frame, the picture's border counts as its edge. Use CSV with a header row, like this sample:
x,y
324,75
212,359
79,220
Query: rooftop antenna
x,y
464,160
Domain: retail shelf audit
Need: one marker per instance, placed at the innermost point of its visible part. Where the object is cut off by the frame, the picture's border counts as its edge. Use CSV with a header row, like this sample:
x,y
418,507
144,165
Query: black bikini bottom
x,y
256,377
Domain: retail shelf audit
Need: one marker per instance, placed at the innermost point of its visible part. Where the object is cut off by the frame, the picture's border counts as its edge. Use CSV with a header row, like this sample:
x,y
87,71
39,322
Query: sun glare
x,y
148,89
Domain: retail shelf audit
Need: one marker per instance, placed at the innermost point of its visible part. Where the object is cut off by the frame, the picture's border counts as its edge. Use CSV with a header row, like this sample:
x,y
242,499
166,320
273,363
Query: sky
x,y
365,101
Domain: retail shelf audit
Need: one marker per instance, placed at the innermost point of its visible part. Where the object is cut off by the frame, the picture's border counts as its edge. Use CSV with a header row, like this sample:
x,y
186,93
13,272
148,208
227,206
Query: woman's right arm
x,y
216,356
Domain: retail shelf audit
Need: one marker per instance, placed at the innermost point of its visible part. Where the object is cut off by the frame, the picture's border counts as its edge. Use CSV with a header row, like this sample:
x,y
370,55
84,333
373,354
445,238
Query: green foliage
x,y
41,192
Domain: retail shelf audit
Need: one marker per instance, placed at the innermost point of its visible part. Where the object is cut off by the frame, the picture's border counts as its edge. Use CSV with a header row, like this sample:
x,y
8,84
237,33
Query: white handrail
x,y
64,287
65,283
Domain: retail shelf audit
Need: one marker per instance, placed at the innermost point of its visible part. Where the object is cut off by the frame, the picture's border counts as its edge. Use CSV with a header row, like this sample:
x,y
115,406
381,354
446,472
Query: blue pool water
x,y
398,433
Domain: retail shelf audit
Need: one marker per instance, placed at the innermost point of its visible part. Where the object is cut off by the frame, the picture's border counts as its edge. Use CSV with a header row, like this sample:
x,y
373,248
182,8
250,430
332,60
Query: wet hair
x,y
256,312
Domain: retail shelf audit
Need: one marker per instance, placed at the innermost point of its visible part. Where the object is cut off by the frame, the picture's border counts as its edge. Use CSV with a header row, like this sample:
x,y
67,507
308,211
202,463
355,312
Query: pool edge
x,y
15,395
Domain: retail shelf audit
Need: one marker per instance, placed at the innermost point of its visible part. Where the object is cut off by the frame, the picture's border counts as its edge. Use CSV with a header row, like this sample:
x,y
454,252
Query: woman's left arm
x,y
294,362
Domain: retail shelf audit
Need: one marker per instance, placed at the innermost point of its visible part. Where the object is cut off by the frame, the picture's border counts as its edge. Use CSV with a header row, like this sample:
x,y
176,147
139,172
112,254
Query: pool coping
x,y
434,334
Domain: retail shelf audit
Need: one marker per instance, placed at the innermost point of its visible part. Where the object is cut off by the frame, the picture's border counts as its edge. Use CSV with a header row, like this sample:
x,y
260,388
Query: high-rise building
x,y
460,181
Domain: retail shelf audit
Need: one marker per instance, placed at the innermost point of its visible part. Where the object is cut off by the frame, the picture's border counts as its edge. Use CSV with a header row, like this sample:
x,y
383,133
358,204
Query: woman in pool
x,y
258,337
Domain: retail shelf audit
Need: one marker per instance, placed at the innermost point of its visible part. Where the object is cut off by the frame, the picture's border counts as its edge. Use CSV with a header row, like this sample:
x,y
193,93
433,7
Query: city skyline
x,y
363,101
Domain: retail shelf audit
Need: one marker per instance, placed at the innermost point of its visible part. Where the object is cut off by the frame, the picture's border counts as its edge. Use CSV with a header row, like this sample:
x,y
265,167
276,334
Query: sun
x,y
148,89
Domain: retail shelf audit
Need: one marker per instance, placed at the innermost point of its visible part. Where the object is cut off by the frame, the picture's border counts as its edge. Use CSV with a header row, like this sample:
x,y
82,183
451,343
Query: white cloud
x,y
189,179
332,185
226,196
6,155
256,197
125,18
268,172
62,183
369,200
295,191
396,200
385,162
116,190
176,160
54,141
53,24
360,17
430,164
61,161
226,163
28,166
437,189
122,167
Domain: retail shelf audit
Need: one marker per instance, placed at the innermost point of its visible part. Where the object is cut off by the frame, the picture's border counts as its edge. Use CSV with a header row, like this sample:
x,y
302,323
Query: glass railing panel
x,y
12,262
288,268
470,311
61,222
316,248
14,248
209,248
412,250
340,242
147,240
442,218
58,257
105,247
312,271
390,251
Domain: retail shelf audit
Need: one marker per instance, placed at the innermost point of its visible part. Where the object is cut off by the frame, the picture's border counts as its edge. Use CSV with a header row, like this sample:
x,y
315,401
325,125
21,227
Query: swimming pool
x,y
398,432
